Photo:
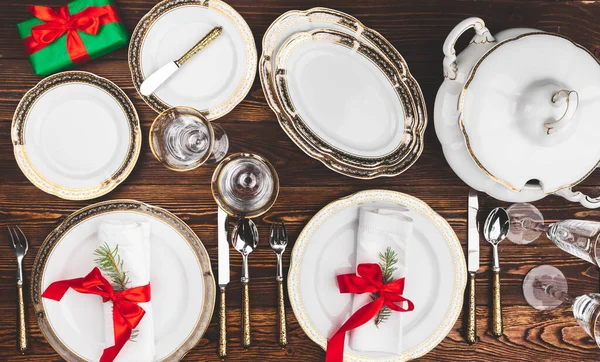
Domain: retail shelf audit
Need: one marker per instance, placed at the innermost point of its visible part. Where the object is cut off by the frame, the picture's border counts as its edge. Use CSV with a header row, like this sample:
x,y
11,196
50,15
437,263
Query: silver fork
x,y
19,246
278,240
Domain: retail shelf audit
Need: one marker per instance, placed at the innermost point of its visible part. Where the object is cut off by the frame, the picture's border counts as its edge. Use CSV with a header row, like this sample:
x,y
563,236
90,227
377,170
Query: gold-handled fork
x,y
19,246
278,240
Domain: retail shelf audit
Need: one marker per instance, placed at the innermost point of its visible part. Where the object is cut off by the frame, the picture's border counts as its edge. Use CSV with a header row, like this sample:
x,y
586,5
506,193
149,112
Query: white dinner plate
x,y
435,279
183,289
76,135
216,79
335,143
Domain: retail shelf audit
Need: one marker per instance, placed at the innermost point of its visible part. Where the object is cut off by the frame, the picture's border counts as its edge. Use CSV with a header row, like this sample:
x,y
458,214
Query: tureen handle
x,y
571,99
576,196
482,36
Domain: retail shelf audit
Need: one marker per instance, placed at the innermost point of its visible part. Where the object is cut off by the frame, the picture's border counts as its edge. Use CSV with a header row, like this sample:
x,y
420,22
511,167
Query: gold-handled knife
x,y
150,84
223,247
472,264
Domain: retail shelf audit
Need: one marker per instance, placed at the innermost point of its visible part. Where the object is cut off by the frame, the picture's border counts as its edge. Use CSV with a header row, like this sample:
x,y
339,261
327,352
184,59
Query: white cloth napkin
x,y
379,229
133,239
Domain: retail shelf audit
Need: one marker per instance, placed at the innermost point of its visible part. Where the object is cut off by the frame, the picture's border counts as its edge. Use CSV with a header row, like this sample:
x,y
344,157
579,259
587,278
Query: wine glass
x,y
245,185
576,237
182,139
545,288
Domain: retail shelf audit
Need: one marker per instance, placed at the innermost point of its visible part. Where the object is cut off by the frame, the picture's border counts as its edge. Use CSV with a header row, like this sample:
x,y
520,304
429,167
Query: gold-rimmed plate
x,y
313,141
183,288
215,80
435,277
76,135
344,96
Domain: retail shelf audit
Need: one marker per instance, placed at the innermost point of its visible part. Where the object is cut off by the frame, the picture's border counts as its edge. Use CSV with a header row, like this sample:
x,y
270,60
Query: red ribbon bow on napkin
x,y
57,23
126,313
368,281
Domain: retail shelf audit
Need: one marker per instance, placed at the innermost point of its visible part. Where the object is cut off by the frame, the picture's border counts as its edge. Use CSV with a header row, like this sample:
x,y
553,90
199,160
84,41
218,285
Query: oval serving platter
x,y
317,18
342,94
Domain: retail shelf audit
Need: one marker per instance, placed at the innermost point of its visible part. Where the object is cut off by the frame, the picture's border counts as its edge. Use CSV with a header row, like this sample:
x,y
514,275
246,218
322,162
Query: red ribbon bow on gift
x,y
126,313
368,281
57,23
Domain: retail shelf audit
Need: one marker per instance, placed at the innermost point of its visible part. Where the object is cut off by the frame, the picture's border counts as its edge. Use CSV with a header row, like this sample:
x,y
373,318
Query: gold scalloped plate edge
x,y
159,213
415,205
387,164
327,154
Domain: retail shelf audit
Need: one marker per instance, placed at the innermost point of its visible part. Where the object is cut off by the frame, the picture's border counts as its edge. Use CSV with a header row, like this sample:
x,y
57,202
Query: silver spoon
x,y
244,239
495,230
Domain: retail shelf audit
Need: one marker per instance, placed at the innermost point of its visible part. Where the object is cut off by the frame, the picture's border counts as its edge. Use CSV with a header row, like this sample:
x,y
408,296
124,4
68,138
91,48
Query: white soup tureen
x,y
518,114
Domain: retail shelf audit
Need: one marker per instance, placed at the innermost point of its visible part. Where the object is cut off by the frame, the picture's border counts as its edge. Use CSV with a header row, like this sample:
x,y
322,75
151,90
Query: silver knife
x,y
166,71
472,263
223,246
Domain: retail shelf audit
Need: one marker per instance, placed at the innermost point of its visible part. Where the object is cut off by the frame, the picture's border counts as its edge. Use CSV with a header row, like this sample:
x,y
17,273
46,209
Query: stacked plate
x,y
183,287
342,93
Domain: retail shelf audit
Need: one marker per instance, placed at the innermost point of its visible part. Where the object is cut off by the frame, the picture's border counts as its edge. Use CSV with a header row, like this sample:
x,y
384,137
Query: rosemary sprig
x,y
388,261
110,263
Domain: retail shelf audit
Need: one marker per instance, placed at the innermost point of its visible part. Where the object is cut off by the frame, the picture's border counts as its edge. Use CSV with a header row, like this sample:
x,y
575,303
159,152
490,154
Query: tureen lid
x,y
530,112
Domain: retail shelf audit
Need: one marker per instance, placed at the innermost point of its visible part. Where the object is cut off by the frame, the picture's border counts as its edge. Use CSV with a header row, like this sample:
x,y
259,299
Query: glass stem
x,y
535,226
220,145
552,291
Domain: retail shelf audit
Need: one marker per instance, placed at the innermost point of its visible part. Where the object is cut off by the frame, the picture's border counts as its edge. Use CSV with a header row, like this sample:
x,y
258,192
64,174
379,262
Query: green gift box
x,y
88,30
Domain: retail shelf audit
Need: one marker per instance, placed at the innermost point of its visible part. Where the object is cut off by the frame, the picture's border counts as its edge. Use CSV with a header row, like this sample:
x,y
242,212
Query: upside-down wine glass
x,y
576,237
545,288
182,139
245,185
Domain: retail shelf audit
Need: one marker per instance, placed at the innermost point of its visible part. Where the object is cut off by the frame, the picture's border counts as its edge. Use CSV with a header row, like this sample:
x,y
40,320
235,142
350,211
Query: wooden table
x,y
417,28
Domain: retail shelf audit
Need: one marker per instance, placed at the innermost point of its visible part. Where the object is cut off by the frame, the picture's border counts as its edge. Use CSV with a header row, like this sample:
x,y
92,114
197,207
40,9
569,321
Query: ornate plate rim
x,y
391,159
341,162
390,196
83,214
19,123
141,29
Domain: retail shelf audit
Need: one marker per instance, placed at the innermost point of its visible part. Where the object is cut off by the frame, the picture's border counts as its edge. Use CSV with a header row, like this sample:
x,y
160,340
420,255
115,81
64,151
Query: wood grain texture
x,y
417,28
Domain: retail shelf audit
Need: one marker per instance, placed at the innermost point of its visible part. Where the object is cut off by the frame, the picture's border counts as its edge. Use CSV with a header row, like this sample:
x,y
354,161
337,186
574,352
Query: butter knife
x,y
166,71
472,263
223,247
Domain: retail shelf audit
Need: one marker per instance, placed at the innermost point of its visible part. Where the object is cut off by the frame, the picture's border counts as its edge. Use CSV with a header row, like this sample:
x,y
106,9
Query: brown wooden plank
x,y
390,17
551,335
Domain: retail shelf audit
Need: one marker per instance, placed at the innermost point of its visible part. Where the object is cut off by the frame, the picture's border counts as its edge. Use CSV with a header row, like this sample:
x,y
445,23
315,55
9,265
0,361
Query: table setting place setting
x,y
377,275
